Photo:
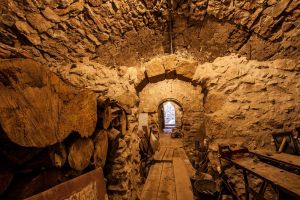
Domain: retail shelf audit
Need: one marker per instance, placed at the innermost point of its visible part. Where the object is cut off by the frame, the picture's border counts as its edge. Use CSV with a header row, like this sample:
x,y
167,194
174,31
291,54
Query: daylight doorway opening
x,y
170,116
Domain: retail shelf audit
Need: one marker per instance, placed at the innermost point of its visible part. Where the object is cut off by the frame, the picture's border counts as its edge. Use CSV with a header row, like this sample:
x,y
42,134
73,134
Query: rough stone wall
x,y
185,93
66,30
123,174
116,32
251,103
178,114
248,100
243,101
240,101
263,29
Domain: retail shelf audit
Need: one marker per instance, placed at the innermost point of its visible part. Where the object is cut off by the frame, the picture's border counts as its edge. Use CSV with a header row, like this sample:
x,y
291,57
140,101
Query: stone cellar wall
x,y
116,33
237,99
117,49
242,99
123,175
248,100
189,97
260,30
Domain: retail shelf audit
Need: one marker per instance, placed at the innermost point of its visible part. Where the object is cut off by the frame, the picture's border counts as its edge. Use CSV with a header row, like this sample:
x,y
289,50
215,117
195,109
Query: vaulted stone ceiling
x,y
118,32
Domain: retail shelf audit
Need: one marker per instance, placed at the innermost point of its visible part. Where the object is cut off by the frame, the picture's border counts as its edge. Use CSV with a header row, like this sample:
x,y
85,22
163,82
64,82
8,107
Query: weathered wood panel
x,y
167,183
184,190
168,177
180,153
89,186
160,154
281,178
168,155
151,186
282,157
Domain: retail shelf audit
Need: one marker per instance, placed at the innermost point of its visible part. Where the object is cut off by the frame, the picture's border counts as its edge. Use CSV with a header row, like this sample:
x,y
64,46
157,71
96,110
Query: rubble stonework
x,y
235,69
118,32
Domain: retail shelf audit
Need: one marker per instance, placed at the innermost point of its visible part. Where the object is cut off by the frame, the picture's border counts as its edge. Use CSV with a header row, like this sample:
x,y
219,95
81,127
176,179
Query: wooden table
x,y
284,158
281,179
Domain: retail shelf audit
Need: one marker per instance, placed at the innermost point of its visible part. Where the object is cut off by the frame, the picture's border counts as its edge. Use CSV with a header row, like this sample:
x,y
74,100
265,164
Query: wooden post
x,y
246,184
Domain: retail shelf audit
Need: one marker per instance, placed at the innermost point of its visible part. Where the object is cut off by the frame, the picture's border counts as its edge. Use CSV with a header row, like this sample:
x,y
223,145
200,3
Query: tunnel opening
x,y
170,115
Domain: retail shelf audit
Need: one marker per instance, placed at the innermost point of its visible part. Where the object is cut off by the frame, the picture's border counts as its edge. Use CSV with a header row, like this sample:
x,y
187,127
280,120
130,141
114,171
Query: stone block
x,y
155,70
186,69
38,22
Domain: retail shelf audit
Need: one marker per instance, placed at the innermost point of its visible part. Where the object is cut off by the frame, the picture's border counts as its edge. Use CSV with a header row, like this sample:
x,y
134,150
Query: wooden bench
x,y
282,180
284,158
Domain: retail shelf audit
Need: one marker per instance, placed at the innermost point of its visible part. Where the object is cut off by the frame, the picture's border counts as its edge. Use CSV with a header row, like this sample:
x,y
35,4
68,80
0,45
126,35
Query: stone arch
x,y
172,100
182,93
166,67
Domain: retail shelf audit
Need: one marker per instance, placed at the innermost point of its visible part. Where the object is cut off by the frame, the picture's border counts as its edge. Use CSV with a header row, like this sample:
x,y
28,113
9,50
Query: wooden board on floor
x,y
182,180
283,179
167,183
160,154
180,153
164,140
176,153
161,181
282,157
151,186
176,143
168,155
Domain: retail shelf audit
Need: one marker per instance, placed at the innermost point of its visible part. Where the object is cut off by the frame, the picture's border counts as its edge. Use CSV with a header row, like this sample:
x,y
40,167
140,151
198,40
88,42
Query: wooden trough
x,y
89,186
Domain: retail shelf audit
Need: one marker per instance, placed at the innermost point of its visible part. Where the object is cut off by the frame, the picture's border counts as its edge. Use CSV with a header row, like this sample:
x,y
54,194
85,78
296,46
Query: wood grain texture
x,y
167,183
183,184
80,153
284,179
151,187
101,148
169,177
283,157
158,156
38,109
90,186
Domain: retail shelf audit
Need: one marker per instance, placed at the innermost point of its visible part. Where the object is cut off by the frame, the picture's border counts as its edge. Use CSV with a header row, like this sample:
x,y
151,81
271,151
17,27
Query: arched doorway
x,y
170,115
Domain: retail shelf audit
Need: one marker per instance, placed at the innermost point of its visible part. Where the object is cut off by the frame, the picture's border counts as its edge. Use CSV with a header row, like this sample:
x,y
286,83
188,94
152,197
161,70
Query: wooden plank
x,y
151,186
167,183
182,181
176,153
176,142
282,157
285,180
164,140
89,186
168,155
160,154
180,153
